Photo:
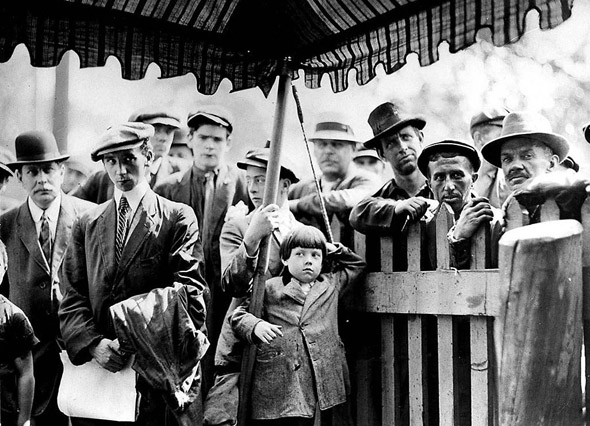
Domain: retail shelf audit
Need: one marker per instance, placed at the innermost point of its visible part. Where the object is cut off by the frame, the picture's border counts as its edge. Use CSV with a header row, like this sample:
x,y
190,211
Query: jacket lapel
x,y
146,223
223,195
107,227
293,290
63,232
319,288
27,233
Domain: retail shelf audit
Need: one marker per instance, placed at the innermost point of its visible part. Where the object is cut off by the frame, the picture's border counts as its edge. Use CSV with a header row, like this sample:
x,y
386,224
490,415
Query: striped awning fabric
x,y
247,41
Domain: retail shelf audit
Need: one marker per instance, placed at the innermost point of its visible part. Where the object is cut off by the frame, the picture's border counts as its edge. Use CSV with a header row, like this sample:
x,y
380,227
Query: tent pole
x,y
270,197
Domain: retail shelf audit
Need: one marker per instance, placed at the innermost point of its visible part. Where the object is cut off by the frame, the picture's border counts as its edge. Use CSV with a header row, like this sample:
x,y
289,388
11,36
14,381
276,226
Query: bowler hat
x,y
333,126
493,116
259,158
215,114
586,130
156,116
35,147
448,145
121,137
525,125
385,119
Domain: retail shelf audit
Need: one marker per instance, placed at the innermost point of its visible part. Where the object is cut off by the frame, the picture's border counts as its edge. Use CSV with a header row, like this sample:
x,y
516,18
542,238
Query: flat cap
x,y
259,158
156,116
121,137
449,145
215,114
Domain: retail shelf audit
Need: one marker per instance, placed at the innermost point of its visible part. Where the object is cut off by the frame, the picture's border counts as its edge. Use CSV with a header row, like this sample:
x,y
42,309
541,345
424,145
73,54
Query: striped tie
x,y
121,228
45,239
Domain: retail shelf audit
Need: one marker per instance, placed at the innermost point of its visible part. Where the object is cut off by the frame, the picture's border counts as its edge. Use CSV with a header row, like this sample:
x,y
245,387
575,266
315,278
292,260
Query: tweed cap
x,y
215,114
156,116
121,137
259,158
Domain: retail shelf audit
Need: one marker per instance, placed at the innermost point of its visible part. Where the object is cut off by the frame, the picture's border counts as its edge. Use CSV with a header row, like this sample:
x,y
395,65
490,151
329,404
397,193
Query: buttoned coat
x,y
307,364
163,249
99,187
29,281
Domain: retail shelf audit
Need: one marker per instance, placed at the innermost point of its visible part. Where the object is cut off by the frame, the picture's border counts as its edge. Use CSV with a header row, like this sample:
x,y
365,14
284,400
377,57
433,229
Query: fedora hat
x,y
527,125
491,116
259,158
35,147
385,119
449,145
121,137
333,126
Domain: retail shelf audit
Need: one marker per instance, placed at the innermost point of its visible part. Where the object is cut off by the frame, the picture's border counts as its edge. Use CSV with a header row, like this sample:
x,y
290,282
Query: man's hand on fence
x,y
476,212
414,207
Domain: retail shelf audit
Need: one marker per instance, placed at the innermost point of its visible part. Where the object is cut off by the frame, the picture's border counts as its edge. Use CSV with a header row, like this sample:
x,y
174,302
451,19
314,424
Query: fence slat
x,y
586,294
445,370
388,383
415,371
549,211
480,365
514,217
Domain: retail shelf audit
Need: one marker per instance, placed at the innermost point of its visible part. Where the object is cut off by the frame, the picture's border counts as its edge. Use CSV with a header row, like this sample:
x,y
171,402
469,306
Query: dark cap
x,y
493,116
385,119
121,137
259,158
448,145
570,163
586,130
35,147
156,116
215,114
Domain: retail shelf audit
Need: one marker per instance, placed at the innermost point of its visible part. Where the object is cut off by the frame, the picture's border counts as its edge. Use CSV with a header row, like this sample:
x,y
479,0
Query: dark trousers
x,y
50,417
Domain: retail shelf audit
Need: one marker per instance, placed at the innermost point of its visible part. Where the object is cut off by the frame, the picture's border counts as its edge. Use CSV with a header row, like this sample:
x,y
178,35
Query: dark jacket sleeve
x,y
237,267
376,214
347,268
243,322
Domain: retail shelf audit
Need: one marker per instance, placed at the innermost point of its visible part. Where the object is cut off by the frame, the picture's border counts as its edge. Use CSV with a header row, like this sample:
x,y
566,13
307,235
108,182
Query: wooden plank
x,y
413,247
388,394
445,371
360,244
441,292
585,216
386,254
514,217
549,211
415,371
480,365
539,380
444,221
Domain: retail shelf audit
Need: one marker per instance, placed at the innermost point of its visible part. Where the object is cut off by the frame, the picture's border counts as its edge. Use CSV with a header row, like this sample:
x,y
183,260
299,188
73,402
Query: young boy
x,y
17,382
300,360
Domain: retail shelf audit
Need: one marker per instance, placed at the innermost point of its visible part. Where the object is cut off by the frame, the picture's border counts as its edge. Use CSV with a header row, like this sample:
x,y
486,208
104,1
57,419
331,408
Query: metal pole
x,y
270,197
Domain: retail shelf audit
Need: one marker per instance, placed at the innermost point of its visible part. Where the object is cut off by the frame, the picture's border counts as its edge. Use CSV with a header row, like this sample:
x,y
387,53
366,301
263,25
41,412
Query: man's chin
x,y
407,169
518,184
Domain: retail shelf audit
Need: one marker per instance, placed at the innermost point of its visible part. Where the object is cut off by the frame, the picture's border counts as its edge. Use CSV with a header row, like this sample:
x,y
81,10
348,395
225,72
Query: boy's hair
x,y
306,237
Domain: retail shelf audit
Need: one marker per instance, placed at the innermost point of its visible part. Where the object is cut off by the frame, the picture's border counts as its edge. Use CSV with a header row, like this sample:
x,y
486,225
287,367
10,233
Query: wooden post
x,y
538,333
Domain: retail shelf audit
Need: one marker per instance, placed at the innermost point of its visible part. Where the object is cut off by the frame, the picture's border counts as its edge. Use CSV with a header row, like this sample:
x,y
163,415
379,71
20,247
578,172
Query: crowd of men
x,y
165,213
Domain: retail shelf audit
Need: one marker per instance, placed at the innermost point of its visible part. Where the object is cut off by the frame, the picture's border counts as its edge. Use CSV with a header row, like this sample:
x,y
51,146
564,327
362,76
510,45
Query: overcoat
x,y
30,283
307,365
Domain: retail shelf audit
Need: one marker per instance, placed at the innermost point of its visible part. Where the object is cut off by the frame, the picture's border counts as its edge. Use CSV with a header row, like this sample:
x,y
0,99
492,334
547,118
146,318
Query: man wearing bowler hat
x,y
99,188
210,187
37,235
132,244
342,183
485,126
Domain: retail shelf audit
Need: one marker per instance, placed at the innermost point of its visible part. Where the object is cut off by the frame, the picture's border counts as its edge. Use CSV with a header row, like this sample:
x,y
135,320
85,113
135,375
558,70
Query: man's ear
x,y
553,161
19,175
284,262
474,177
149,156
285,183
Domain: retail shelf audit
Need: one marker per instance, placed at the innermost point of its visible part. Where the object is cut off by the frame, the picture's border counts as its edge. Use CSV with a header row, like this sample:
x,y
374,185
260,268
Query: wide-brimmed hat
x,y
215,114
156,116
491,116
259,158
6,157
448,145
35,147
371,153
526,125
121,137
333,126
386,118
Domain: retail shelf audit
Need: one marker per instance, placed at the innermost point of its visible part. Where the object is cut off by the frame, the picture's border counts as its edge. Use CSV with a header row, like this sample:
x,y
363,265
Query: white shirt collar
x,y
52,213
134,196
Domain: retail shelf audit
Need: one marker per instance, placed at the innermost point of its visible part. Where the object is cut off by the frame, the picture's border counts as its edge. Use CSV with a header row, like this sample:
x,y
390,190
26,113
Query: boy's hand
x,y
267,332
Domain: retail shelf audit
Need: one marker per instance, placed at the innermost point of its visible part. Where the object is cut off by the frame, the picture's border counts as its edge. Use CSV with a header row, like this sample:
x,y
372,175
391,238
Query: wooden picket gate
x,y
436,351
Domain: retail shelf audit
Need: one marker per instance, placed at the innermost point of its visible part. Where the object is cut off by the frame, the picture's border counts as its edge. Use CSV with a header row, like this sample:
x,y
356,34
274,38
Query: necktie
x,y
45,239
208,202
122,224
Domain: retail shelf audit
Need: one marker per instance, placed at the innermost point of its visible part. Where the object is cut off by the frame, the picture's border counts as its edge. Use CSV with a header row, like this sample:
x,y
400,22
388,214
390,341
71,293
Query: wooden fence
x,y
434,363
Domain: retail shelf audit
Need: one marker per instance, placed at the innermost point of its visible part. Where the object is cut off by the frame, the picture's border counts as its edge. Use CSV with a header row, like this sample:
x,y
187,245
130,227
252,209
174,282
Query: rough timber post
x,y
538,332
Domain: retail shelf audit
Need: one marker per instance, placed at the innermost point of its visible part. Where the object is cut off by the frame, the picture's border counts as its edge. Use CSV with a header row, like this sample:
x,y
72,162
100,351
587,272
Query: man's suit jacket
x,y
161,250
99,187
29,280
